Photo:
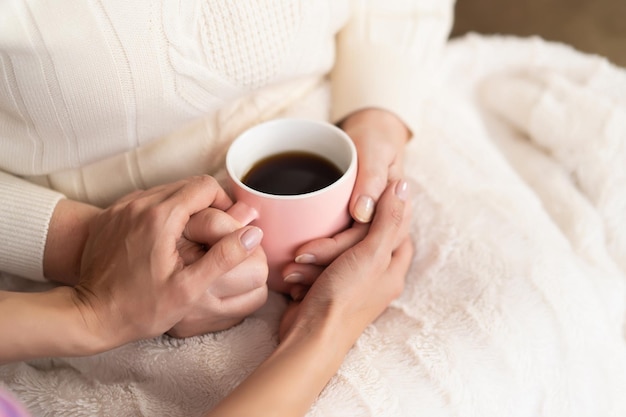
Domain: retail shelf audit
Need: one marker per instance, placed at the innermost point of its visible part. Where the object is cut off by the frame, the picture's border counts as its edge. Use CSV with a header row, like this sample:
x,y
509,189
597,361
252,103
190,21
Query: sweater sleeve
x,y
388,54
25,213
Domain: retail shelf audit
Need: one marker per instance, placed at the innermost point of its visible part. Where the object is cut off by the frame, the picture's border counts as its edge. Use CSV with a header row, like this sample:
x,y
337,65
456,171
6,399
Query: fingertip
x,y
242,212
294,278
306,258
301,274
298,292
251,238
363,210
402,189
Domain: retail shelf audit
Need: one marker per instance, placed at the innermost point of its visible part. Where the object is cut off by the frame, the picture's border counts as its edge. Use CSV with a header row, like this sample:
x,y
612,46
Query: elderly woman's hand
x,y
139,276
232,296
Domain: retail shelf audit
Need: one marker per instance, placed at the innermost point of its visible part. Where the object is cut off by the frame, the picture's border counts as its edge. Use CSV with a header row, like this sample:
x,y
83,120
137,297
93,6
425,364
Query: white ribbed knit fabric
x,y
99,98
514,303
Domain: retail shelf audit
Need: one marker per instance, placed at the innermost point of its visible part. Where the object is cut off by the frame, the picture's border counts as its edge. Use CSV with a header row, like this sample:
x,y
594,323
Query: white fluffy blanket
x,y
515,302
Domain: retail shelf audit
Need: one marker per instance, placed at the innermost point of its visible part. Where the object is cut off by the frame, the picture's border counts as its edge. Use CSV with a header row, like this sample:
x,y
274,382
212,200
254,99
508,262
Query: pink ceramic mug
x,y
289,221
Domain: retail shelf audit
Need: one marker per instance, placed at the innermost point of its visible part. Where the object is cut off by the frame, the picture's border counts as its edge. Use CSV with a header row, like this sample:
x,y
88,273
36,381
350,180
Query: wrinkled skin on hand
x,y
147,266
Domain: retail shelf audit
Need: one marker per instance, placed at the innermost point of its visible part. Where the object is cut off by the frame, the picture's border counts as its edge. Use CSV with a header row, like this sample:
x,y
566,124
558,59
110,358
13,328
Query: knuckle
x,y
184,292
397,214
373,249
252,272
376,178
134,208
357,259
226,256
258,277
257,300
221,222
204,181
154,216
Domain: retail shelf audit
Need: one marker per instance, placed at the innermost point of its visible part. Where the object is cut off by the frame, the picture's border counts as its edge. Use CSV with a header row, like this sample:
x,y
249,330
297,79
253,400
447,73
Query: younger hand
x,y
313,257
357,286
379,137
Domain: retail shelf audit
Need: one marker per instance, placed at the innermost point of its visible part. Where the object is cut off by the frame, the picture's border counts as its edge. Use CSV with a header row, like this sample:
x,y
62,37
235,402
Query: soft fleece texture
x,y
515,302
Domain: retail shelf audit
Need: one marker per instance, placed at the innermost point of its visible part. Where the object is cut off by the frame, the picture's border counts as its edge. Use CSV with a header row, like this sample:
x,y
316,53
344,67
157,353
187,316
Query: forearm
x,y
289,381
67,233
379,121
44,324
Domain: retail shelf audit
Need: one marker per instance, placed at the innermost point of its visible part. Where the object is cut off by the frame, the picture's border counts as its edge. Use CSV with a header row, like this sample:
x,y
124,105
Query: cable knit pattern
x,y
248,44
515,300
105,97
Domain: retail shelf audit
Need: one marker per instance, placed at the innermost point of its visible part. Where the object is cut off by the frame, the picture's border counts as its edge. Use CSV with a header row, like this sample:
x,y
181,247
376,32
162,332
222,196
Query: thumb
x,y
370,182
226,254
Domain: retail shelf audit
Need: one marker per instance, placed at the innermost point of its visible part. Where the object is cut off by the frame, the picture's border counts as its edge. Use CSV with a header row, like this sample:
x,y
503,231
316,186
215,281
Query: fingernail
x,y
402,190
364,209
298,293
251,238
306,258
294,278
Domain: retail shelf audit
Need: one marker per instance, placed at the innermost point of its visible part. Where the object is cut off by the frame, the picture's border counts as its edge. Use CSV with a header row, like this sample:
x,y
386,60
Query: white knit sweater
x,y
99,98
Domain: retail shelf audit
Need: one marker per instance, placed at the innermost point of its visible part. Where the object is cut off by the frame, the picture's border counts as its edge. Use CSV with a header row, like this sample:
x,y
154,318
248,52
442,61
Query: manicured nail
x,y
306,258
297,293
294,278
364,209
251,238
402,190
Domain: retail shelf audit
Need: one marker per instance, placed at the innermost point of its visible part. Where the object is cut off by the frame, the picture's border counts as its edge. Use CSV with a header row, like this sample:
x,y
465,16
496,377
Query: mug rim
x,y
346,174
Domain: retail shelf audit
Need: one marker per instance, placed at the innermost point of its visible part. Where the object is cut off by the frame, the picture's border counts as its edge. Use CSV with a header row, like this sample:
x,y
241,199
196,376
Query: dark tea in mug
x,y
292,173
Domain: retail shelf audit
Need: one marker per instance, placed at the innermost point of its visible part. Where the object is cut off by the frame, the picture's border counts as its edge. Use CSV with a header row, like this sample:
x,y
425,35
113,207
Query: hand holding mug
x,y
314,257
379,137
291,219
361,282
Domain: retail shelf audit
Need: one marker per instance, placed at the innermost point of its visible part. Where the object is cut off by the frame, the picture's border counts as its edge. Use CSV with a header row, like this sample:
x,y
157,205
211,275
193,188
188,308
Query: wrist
x,y
80,327
302,364
46,324
328,327
67,233
377,119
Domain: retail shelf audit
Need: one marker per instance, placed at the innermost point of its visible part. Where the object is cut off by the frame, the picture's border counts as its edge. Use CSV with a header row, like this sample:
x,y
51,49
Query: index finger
x,y
196,194
209,225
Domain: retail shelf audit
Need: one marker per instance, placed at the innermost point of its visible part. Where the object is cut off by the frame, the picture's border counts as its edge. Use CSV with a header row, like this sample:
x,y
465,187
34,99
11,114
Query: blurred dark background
x,y
593,26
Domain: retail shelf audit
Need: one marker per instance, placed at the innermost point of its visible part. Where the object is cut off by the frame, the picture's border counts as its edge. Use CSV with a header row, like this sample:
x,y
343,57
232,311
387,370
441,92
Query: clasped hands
x,y
170,259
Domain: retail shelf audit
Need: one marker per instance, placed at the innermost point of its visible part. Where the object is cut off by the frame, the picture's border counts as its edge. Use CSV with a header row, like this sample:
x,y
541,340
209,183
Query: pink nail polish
x,y
402,190
251,238
298,293
306,258
364,209
294,278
